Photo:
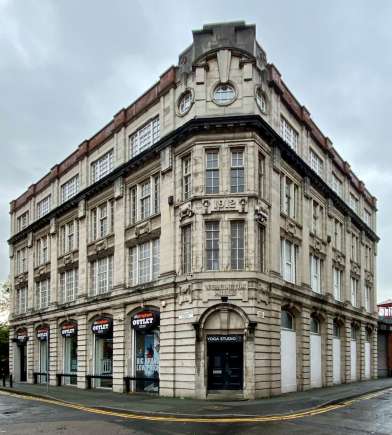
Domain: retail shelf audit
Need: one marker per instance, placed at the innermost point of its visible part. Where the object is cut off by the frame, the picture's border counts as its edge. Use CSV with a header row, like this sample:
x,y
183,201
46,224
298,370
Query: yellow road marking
x,y
243,419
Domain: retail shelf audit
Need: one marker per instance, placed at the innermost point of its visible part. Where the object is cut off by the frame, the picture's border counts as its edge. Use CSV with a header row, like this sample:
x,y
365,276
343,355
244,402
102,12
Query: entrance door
x,y
70,359
225,362
103,360
23,363
43,360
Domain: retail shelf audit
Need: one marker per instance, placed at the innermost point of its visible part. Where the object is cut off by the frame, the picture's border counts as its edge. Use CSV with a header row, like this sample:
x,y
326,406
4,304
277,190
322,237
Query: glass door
x,y
147,361
43,361
104,360
70,359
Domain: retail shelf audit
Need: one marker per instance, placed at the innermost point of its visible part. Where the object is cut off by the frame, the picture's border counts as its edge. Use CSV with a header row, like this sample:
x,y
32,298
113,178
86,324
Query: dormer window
x,y
224,94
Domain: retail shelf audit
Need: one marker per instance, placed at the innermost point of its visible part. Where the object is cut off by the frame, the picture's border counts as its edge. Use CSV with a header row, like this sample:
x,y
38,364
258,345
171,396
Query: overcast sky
x,y
67,66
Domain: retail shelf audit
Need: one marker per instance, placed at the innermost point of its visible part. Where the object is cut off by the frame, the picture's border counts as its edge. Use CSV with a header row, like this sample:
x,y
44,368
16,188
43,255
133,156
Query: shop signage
x,y
69,329
224,338
21,336
42,332
102,326
145,320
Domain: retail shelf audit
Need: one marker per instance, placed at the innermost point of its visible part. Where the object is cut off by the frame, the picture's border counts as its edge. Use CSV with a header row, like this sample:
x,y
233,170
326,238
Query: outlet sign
x,y
145,320
42,332
69,329
21,336
102,326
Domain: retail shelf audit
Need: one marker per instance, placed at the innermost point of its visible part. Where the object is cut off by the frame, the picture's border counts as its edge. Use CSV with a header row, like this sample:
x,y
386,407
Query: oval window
x,y
224,94
185,102
261,100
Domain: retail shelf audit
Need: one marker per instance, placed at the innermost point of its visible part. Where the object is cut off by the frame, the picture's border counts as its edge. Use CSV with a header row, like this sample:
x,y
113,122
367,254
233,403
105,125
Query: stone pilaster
x,y
118,350
82,350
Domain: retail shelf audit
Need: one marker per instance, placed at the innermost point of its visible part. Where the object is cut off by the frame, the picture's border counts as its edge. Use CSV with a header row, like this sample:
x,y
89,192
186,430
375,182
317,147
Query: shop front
x,y
102,329
146,345
20,339
42,334
69,331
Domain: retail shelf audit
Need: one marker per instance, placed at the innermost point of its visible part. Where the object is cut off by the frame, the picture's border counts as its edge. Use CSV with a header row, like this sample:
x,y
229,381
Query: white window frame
x,y
186,177
21,300
102,220
144,137
367,217
316,162
70,188
354,286
44,206
337,277
288,255
186,249
237,168
316,266
289,196
289,134
337,185
21,260
23,221
367,297
42,250
101,276
317,213
102,166
212,171
354,202
42,293
212,234
68,283
237,245
69,237
144,262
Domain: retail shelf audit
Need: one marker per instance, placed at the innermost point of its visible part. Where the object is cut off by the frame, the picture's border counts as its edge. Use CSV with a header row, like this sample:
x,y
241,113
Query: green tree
x,y
4,329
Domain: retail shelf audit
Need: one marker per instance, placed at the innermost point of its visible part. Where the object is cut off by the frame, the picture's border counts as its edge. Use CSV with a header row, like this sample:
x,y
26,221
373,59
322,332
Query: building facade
x,y
209,238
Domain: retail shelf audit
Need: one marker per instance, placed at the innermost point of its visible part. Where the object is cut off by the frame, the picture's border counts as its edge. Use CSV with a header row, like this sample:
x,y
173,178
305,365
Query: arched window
x,y
336,329
224,94
287,320
314,326
354,332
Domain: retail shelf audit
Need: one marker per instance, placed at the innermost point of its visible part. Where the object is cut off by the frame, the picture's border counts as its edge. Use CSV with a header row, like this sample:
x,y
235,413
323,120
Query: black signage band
x,y
145,320
224,338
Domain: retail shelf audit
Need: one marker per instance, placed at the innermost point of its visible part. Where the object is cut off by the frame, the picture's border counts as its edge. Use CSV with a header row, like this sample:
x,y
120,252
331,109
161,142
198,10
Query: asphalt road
x,y
19,416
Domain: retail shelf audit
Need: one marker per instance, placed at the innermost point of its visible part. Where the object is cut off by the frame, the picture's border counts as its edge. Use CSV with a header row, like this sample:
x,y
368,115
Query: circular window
x,y
185,102
261,100
224,94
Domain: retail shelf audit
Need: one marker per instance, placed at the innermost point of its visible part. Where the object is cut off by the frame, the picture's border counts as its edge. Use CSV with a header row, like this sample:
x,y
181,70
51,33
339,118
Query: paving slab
x,y
148,404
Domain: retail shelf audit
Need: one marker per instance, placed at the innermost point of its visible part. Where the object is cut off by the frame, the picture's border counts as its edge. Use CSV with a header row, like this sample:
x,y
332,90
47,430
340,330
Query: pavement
x,y
137,403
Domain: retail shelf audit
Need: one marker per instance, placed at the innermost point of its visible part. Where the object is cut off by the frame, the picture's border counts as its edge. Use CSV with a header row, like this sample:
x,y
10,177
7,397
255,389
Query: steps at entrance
x,y
228,395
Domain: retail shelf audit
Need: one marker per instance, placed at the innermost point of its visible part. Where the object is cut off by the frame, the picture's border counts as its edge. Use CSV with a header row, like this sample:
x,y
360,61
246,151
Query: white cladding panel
x,y
353,360
288,359
315,361
367,360
337,378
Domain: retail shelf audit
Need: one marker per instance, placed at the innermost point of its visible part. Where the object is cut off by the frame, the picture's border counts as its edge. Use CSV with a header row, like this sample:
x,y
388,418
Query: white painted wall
x,y
367,360
315,361
337,378
288,360
353,360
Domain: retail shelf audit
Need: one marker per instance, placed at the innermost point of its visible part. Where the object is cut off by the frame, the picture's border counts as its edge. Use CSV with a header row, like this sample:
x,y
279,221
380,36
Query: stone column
x,y
347,351
82,350
328,352
275,374
30,353
119,235
167,350
274,230
53,338
374,355
303,350
361,347
118,350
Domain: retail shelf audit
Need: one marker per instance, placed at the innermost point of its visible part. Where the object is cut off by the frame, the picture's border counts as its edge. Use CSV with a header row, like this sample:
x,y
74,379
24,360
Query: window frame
x,y
212,168
212,234
144,137
70,188
289,134
102,166
44,206
237,170
152,260
237,245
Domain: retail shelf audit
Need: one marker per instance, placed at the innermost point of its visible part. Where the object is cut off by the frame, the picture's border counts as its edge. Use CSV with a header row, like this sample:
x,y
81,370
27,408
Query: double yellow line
x,y
164,418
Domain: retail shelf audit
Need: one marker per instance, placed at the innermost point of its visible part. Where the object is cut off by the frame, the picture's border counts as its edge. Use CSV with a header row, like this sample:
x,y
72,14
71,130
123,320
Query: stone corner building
x,y
208,238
